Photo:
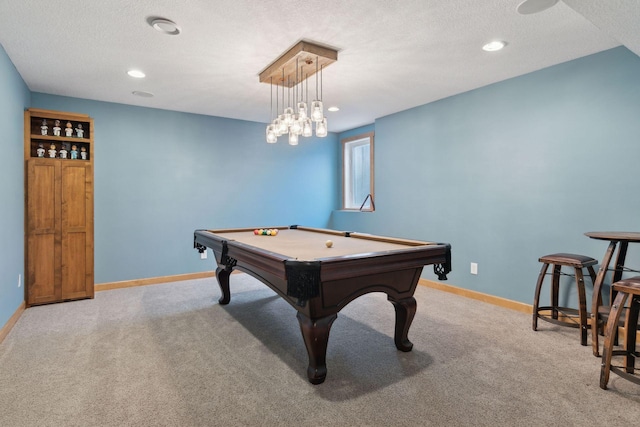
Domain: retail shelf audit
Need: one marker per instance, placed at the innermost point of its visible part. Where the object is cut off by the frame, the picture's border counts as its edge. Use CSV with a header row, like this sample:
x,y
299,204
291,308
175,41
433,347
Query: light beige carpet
x,y
170,355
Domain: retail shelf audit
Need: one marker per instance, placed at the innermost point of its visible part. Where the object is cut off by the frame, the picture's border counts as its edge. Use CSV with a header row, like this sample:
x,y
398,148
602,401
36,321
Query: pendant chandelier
x,y
290,72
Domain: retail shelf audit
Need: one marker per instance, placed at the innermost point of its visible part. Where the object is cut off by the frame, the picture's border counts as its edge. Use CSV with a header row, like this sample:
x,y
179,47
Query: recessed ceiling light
x,y
165,26
527,7
494,45
142,94
136,73
333,108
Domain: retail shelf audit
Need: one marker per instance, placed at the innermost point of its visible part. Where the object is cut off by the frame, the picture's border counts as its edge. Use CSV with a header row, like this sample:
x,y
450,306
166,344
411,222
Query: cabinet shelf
x,y
58,138
58,159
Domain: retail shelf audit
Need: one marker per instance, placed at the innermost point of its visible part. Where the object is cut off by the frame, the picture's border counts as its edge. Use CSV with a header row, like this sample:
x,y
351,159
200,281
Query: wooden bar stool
x,y
624,289
571,317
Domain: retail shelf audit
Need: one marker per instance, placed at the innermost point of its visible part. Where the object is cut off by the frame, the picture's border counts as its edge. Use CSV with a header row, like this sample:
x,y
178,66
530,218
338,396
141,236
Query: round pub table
x,y
619,240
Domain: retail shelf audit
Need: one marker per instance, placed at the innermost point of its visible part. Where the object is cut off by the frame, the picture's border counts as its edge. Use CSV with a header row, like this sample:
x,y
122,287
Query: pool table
x,y
319,279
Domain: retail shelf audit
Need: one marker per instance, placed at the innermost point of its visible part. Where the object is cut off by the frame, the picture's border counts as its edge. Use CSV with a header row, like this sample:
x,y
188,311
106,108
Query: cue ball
x,y
329,243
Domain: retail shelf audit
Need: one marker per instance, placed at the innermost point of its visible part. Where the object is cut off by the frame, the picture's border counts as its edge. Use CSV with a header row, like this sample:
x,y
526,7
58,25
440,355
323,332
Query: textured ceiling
x,y
393,54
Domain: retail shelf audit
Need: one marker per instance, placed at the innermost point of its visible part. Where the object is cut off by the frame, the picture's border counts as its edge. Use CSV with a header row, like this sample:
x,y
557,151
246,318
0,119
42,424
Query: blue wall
x,y
505,173
14,98
513,171
159,175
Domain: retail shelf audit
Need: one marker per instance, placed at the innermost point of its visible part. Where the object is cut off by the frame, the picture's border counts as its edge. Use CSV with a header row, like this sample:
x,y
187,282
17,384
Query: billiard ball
x,y
329,243
274,231
256,231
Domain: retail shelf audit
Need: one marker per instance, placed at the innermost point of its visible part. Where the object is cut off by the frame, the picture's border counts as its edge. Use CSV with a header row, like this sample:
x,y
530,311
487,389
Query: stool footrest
x,y
624,374
571,314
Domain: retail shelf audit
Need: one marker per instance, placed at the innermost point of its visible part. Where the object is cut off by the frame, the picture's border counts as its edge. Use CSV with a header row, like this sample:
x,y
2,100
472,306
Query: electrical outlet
x,y
19,280
474,268
203,255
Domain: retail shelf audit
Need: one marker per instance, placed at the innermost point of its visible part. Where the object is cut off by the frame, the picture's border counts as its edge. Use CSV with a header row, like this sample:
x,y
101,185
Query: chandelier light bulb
x,y
283,127
316,111
288,116
271,134
296,127
302,110
293,138
321,128
307,130
276,127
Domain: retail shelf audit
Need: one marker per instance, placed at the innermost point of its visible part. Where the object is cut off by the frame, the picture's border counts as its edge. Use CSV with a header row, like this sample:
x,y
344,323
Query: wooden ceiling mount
x,y
307,54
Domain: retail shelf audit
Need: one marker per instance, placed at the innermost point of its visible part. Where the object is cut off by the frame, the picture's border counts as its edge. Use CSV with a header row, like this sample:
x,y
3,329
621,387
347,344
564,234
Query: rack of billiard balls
x,y
265,231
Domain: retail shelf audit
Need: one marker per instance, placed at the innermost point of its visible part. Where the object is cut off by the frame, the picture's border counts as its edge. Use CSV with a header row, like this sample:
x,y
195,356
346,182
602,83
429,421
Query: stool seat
x,y
574,318
624,289
570,260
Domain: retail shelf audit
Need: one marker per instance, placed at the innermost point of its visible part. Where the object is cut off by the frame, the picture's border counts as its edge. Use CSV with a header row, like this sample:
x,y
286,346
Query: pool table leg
x,y
316,336
405,311
222,274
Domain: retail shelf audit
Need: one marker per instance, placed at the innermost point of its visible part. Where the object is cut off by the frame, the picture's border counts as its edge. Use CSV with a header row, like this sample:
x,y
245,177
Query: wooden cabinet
x,y
58,208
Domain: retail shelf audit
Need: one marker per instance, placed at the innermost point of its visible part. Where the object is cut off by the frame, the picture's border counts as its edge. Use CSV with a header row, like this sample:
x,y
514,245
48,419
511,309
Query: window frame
x,y
345,144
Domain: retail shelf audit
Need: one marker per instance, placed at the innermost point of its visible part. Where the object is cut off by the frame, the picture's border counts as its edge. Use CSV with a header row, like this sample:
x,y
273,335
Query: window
x,y
357,173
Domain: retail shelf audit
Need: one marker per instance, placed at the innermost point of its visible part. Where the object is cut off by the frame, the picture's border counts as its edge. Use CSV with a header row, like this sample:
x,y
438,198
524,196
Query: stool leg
x,y
609,334
630,327
592,274
597,297
555,286
536,298
582,310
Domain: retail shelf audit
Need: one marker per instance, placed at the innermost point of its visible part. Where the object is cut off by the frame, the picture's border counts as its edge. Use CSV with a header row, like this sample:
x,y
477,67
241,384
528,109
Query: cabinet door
x,y
43,231
77,230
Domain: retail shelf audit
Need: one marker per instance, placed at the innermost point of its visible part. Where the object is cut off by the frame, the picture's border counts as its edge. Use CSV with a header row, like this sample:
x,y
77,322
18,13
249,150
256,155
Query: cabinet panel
x,y
42,191
74,266
76,196
41,273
